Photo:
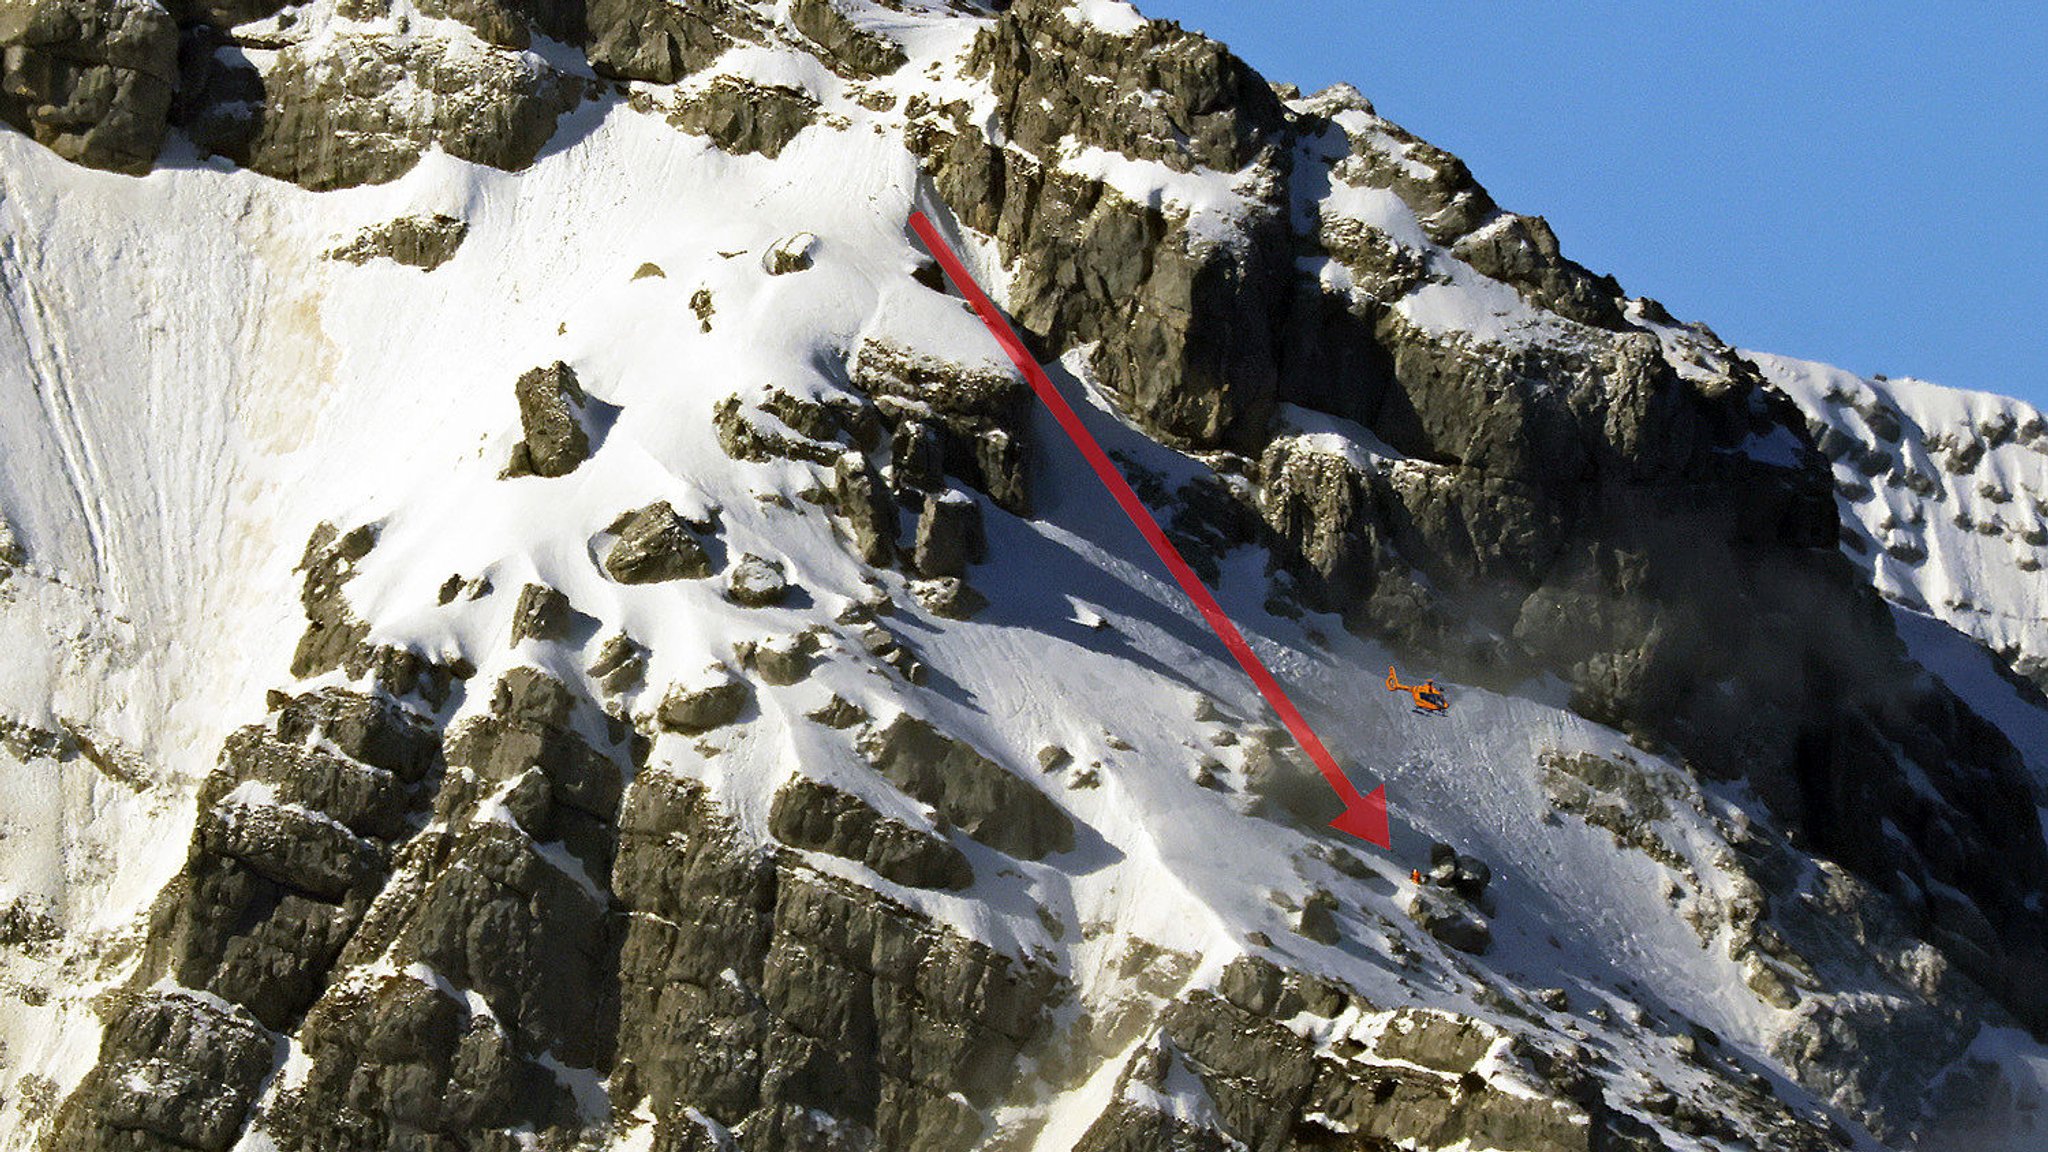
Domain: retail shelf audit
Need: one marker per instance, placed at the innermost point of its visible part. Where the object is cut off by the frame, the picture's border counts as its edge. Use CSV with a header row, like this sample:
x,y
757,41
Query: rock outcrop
x,y
863,499
361,107
551,403
946,418
743,117
949,535
850,48
794,1009
1185,325
655,545
296,836
92,80
756,582
424,242
808,814
971,791
660,42
701,706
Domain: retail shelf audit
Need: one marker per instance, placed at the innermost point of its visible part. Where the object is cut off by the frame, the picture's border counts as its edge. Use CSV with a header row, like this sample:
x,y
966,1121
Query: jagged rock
x,y
1254,1068
839,712
290,845
658,42
529,726
256,941
999,462
424,242
756,582
1523,251
949,535
917,459
376,732
176,1070
496,22
486,921
886,646
1450,920
550,410
786,660
700,708
1260,987
1318,918
1052,757
365,799
302,850
742,438
960,419
969,790
333,631
361,107
749,960
851,49
402,672
812,419
12,554
1770,985
1435,185
745,117
976,396
807,814
790,254
1466,875
654,544
1184,330
543,613
1207,106
949,597
1618,796
1420,1087
864,500
402,1054
1150,1109
1441,1041
621,665
91,80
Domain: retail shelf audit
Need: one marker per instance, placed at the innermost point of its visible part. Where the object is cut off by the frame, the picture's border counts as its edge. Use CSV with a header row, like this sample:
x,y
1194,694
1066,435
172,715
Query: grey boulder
x,y
655,545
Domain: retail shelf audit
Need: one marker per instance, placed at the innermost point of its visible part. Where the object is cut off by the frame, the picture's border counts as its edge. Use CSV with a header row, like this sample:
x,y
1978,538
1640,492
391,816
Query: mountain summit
x,y
535,620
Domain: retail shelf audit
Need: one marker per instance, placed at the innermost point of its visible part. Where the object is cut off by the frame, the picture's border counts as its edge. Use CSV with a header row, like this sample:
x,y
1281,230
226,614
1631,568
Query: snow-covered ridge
x,y
1944,498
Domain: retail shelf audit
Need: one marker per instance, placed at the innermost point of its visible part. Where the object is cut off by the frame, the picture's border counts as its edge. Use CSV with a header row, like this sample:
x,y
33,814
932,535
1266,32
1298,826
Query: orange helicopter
x,y
1429,699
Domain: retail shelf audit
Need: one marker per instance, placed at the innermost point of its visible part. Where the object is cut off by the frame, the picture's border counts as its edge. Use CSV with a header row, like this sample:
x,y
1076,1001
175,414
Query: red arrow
x,y
1364,816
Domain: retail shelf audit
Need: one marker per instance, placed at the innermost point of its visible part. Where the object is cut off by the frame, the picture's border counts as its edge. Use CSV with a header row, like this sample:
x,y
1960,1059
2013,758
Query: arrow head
x,y
1366,818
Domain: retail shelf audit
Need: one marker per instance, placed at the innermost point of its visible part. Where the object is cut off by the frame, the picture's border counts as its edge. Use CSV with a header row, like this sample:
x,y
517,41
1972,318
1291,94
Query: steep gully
x,y
1364,816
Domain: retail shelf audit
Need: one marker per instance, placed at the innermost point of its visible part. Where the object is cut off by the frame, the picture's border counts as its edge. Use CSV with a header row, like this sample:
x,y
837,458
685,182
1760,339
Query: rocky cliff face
x,y
93,82
696,809
1604,496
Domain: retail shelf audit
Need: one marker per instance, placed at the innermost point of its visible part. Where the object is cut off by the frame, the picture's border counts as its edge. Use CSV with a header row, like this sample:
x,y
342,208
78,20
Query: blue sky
x,y
1862,184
